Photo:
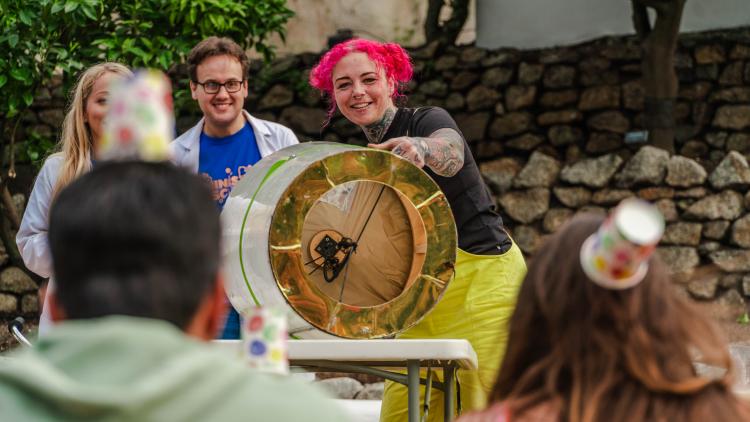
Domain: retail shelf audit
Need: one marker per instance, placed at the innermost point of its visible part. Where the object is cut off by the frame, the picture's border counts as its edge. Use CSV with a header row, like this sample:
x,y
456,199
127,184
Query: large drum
x,y
354,242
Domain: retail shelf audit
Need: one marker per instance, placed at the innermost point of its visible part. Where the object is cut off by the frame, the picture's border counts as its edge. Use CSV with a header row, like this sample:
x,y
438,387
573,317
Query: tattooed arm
x,y
445,152
442,151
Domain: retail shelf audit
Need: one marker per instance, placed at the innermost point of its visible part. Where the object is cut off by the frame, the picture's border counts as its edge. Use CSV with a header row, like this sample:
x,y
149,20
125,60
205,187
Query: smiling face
x,y
223,110
361,90
97,106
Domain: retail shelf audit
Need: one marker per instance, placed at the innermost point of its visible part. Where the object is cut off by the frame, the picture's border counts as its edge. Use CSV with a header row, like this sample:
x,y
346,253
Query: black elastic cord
x,y
313,260
382,188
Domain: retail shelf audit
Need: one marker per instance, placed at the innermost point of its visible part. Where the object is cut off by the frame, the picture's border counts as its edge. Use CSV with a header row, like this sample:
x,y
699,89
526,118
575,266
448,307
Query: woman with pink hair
x,y
363,79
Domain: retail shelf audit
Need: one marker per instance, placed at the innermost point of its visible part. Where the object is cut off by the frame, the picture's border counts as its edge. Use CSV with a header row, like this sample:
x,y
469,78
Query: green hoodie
x,y
134,369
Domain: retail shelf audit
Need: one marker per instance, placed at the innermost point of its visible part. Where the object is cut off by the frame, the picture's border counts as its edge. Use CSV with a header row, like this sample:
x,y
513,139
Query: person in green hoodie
x,y
135,249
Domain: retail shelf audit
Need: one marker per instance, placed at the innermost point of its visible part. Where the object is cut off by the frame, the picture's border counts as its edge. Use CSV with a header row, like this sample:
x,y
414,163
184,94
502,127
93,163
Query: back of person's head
x,y
135,238
595,353
216,46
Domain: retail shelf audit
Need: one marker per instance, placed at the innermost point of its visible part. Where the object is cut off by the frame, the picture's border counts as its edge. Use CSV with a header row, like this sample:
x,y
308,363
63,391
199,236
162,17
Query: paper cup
x,y
616,256
264,337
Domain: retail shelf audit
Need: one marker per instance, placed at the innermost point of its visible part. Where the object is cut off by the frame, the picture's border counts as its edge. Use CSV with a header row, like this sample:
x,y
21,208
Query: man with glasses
x,y
227,140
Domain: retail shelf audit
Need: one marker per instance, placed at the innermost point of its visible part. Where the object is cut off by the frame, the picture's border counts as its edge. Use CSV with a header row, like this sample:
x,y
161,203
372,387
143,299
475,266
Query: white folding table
x,y
383,357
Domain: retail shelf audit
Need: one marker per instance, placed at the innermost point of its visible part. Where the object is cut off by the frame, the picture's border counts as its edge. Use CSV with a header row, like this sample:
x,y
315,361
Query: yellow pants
x,y
476,306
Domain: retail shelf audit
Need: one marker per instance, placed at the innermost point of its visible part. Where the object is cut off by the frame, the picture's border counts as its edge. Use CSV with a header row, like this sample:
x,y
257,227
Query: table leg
x,y
427,392
449,384
412,368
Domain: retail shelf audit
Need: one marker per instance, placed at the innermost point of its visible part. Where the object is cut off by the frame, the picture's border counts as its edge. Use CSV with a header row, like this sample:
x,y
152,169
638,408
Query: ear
x,y
218,305
193,90
391,91
245,88
56,312
391,86
208,318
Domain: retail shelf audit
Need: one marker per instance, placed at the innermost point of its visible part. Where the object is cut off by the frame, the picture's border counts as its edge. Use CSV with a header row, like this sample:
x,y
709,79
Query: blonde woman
x,y
81,130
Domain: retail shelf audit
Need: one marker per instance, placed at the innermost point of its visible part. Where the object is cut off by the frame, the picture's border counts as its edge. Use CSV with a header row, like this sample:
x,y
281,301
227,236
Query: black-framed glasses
x,y
213,87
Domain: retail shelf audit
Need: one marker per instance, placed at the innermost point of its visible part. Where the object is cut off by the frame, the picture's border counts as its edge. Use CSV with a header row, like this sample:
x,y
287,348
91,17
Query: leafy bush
x,y
159,33
41,37
38,37
44,36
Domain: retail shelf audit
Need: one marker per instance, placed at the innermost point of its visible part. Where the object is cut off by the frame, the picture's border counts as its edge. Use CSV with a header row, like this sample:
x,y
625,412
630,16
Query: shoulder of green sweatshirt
x,y
135,369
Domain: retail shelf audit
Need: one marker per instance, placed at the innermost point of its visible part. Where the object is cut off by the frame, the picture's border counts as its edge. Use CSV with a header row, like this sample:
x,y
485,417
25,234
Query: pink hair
x,y
390,57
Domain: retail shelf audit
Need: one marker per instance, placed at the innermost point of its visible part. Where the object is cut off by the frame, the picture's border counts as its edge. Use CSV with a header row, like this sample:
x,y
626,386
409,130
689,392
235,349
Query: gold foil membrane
x,y
424,287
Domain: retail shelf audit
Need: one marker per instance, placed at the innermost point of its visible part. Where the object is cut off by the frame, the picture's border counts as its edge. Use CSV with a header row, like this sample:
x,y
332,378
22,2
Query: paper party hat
x,y
616,256
140,122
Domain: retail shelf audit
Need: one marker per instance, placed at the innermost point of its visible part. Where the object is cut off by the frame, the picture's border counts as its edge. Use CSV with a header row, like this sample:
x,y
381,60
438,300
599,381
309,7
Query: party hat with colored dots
x,y
616,256
140,122
264,335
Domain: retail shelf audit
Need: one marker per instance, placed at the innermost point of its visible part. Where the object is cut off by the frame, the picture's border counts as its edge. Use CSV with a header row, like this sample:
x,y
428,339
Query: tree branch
x,y
11,153
446,32
9,241
9,207
432,21
640,19
5,197
453,26
659,6
658,43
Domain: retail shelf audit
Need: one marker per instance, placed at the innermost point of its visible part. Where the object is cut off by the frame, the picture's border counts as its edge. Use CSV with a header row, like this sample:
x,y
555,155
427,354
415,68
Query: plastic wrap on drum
x,y
298,200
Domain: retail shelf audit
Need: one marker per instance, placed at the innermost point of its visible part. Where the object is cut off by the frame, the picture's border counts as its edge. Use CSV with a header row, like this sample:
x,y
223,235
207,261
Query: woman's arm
x,y
442,151
32,235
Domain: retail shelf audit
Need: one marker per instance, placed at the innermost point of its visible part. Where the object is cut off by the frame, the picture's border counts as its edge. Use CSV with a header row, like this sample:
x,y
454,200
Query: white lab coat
x,y
269,136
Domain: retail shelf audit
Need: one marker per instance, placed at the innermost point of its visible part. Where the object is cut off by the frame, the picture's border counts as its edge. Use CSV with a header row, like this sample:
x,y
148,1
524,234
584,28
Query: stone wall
x,y
18,291
548,127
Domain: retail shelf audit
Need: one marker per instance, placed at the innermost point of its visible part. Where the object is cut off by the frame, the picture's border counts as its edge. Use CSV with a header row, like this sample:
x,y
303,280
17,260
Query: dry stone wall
x,y
18,291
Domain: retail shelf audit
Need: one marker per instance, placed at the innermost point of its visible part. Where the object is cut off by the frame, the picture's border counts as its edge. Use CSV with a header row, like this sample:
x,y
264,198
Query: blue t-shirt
x,y
226,160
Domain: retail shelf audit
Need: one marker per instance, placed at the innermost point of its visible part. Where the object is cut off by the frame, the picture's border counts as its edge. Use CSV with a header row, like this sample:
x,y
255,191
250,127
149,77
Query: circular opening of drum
x,y
363,243
308,173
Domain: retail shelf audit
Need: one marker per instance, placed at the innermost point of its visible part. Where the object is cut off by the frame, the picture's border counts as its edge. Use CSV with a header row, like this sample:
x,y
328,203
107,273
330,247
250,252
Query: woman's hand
x,y
413,149
442,151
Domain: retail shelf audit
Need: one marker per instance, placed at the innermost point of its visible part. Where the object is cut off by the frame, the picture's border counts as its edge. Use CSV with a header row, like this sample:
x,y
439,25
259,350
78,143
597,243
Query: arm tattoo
x,y
375,131
443,151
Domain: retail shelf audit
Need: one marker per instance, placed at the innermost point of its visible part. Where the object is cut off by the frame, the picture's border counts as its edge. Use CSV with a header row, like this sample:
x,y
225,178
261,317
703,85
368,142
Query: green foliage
x,y
159,33
744,319
35,42
40,37
34,149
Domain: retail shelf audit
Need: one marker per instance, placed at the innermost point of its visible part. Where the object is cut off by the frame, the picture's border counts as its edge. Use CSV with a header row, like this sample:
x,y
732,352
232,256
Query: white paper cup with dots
x,y
264,340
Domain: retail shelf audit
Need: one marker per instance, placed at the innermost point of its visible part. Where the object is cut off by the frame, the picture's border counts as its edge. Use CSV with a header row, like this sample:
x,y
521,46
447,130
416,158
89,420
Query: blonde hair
x,y
75,137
